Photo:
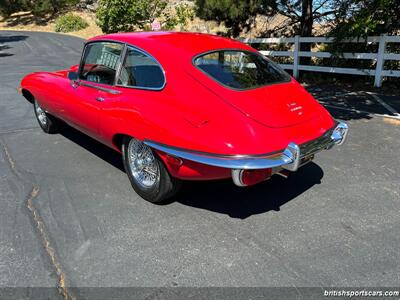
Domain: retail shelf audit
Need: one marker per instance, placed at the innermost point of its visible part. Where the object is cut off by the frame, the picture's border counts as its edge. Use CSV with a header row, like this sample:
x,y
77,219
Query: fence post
x,y
380,60
296,56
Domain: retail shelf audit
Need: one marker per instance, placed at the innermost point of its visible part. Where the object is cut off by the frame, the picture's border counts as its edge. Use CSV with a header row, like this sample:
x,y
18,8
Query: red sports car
x,y
185,106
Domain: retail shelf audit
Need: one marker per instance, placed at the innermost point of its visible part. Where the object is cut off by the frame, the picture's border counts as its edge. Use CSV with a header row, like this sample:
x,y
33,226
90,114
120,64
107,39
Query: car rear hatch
x,y
277,105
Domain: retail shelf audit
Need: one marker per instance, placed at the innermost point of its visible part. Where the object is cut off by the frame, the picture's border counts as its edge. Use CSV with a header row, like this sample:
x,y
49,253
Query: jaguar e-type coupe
x,y
185,106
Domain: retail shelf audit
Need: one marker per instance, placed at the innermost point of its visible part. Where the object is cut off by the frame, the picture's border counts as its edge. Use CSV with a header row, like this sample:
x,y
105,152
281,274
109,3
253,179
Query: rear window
x,y
240,69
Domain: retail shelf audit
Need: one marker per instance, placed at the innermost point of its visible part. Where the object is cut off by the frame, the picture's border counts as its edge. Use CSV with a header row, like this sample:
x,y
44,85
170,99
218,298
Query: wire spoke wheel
x,y
41,114
143,164
147,172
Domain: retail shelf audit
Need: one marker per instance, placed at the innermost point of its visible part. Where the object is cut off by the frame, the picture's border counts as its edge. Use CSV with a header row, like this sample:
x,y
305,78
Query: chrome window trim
x,y
121,61
149,55
289,78
97,87
84,54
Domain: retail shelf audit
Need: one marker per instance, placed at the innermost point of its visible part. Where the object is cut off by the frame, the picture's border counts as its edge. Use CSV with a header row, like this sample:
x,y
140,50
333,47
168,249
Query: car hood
x,y
278,105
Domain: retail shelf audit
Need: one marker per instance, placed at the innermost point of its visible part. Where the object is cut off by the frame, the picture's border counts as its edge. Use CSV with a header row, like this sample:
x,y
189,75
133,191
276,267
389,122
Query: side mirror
x,y
73,76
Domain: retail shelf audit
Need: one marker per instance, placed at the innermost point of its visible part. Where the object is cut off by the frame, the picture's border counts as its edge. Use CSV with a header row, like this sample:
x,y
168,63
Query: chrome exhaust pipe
x,y
283,173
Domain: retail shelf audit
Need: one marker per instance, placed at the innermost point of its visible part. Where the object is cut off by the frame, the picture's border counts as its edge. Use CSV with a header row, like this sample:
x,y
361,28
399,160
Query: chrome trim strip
x,y
111,91
195,152
121,62
233,162
289,159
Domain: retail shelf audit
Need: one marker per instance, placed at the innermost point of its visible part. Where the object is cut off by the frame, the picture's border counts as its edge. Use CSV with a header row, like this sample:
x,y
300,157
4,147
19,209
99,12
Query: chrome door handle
x,y
100,99
74,83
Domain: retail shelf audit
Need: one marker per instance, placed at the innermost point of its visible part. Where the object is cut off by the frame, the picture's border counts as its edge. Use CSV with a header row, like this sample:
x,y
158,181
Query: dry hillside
x,y
86,8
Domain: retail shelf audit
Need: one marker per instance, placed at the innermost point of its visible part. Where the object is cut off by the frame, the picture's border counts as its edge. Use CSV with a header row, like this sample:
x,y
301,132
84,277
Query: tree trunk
x,y
306,26
306,18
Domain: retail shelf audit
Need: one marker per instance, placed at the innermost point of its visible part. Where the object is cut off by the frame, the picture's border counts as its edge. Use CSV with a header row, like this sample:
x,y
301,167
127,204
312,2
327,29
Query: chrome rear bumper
x,y
290,158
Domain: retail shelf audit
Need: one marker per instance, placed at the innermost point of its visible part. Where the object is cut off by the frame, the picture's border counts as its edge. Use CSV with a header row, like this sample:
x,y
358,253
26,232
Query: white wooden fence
x,y
379,72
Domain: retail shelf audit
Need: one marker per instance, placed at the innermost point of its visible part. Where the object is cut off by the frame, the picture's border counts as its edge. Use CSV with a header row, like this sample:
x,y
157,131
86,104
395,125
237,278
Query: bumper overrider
x,y
244,166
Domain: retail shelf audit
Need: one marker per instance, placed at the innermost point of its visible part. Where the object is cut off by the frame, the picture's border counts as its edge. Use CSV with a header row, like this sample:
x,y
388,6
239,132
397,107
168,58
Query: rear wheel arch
x,y
118,140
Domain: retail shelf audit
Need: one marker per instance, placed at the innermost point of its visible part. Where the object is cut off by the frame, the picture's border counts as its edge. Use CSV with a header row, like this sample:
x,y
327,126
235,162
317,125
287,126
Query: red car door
x,y
137,90
84,98
81,108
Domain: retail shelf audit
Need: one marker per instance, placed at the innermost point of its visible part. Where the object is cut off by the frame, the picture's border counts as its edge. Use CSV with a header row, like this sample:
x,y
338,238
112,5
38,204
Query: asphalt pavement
x,y
67,210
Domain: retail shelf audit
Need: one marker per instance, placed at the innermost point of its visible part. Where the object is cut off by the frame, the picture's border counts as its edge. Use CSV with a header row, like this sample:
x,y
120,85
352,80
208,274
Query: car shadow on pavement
x,y
347,115
220,196
226,198
348,103
102,151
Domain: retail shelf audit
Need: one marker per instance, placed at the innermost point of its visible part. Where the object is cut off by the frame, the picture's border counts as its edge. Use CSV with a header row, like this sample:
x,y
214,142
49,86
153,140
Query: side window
x,y
141,71
100,62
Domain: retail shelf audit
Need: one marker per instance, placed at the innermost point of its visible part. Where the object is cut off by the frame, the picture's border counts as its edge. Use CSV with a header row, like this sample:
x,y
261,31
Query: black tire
x,y
164,187
47,122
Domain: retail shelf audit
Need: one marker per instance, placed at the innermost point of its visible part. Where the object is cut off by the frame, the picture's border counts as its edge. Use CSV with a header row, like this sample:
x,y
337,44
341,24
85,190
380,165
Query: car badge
x,y
295,108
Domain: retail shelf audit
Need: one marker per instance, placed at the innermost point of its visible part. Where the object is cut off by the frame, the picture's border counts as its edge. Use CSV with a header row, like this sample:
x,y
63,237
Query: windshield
x,y
240,69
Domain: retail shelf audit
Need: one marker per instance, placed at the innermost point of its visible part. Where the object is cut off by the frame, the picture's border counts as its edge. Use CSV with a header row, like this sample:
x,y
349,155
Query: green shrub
x,y
70,22
127,15
183,14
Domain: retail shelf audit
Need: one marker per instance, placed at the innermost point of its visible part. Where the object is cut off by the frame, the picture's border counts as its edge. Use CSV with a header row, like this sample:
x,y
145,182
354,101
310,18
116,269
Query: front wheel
x,y
48,123
147,173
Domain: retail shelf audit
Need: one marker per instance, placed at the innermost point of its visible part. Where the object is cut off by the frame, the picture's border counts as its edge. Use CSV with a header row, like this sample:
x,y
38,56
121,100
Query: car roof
x,y
179,44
